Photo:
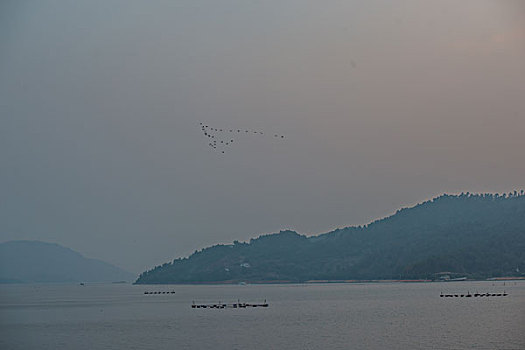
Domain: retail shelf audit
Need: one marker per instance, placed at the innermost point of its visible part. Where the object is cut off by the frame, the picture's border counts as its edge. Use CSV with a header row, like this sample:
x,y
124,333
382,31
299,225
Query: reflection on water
x,y
334,316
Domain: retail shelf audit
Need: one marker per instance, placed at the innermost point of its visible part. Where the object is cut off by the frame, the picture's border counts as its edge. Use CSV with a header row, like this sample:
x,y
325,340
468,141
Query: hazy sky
x,y
383,104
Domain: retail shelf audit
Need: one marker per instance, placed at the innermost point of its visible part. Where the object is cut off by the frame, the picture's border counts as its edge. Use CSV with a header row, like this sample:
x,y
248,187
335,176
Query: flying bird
x,y
216,138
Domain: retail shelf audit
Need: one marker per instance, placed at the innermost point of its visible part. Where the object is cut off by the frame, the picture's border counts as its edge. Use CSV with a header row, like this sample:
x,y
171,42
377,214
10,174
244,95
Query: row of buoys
x,y
220,305
172,292
475,295
211,306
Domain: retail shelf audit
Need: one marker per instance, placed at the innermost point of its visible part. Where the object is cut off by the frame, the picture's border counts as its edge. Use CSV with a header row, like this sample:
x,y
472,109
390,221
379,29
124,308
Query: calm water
x,y
328,316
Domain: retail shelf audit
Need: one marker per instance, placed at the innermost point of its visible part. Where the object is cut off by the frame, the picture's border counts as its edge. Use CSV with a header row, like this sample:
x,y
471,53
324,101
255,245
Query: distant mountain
x,y
477,236
34,261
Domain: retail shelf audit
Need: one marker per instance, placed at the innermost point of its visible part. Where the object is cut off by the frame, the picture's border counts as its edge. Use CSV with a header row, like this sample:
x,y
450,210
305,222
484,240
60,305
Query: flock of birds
x,y
220,139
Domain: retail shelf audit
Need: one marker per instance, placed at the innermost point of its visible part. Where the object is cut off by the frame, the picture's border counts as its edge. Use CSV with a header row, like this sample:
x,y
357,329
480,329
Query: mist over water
x,y
383,105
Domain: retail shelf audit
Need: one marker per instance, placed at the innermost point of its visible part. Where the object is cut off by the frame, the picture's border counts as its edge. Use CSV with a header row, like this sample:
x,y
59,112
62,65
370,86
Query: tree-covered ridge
x,y
474,235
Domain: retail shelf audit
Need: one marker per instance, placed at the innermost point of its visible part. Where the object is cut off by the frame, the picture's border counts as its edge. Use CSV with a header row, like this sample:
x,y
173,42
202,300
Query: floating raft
x,y
172,292
220,305
475,295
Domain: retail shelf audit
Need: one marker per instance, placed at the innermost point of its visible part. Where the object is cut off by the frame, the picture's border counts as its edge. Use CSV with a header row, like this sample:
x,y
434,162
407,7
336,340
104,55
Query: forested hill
x,y
477,236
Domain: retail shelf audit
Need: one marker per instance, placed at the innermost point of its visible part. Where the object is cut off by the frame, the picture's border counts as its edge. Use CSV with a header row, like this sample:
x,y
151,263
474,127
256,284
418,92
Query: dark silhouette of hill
x,y
34,261
477,236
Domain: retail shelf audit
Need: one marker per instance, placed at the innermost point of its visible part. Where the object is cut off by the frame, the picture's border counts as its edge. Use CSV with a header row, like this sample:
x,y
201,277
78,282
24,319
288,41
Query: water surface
x,y
302,316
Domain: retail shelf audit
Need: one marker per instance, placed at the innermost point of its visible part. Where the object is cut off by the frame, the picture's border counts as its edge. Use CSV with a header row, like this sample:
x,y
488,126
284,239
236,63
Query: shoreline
x,y
492,279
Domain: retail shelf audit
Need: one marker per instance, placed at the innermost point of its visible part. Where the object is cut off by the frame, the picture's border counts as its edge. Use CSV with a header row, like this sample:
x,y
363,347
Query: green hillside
x,y
477,236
